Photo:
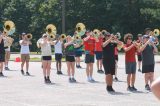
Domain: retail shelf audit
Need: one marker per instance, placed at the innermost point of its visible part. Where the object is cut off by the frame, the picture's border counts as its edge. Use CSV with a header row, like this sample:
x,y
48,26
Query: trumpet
x,y
96,33
51,29
118,35
52,36
63,36
9,27
80,29
29,36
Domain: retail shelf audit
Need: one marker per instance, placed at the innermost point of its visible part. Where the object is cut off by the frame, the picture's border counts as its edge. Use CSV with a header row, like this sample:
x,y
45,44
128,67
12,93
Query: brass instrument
x,y
29,36
156,32
63,36
8,41
96,33
77,37
119,47
103,32
9,27
51,29
118,35
80,29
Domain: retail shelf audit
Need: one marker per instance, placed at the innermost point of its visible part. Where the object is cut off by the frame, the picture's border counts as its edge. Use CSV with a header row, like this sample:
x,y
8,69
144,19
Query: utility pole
x,y
63,16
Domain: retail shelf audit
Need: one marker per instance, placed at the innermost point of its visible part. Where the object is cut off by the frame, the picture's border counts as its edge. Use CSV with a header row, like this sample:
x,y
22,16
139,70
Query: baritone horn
x,y
96,33
80,29
9,27
51,29
156,32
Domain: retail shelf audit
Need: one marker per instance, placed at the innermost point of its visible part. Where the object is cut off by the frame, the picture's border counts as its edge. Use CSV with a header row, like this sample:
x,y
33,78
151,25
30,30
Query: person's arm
x,y
155,50
104,44
144,46
67,44
1,37
86,38
128,48
155,88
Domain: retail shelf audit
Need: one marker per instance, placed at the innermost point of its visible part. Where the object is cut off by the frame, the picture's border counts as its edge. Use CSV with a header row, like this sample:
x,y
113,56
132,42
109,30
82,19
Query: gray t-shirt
x,y
148,56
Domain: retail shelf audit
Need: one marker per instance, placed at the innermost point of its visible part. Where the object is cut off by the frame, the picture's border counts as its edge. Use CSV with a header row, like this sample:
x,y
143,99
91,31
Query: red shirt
x,y
89,45
98,44
130,55
115,51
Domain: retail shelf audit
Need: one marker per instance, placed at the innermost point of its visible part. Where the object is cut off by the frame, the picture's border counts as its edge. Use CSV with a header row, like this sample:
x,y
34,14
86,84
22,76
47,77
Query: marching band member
x,y
130,49
46,52
98,53
139,54
89,46
25,53
58,54
109,44
148,62
2,53
70,58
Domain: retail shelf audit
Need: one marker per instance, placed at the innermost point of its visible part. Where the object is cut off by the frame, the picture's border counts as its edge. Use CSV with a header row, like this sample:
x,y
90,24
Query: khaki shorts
x,y
25,57
7,55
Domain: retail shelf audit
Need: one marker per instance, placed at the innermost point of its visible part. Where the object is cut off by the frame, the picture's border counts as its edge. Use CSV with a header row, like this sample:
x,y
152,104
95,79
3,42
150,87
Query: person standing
x,y
58,55
89,46
148,62
46,52
98,53
2,53
25,53
70,58
130,49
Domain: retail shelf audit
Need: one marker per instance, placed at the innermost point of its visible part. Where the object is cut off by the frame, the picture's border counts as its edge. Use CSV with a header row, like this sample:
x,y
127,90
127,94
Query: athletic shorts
x,y
25,57
70,59
147,68
98,55
58,57
139,57
78,53
130,67
89,58
109,66
2,57
47,58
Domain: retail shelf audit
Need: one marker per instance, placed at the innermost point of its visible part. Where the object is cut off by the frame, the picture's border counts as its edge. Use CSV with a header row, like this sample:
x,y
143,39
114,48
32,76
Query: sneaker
x,y
129,89
92,80
22,72
59,72
100,71
73,79
48,81
27,73
45,80
70,80
1,74
139,70
110,89
6,68
116,79
147,87
134,89
79,66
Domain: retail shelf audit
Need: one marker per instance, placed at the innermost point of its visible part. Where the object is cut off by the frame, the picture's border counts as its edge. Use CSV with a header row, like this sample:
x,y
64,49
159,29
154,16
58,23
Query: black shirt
x,y
2,49
108,51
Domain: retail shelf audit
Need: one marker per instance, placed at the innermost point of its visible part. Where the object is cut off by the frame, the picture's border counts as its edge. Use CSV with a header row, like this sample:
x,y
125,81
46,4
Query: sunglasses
x,y
129,38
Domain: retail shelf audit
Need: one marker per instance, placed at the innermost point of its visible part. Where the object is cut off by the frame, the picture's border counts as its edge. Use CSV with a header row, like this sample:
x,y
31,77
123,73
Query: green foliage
x,y
32,16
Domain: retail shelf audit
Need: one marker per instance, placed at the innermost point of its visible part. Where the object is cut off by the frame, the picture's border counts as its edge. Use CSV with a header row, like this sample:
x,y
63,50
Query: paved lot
x,y
18,90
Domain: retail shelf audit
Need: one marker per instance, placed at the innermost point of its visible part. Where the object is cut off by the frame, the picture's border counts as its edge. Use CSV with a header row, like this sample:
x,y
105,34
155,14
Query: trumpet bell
x,y
51,29
63,36
52,36
96,33
156,32
80,29
29,36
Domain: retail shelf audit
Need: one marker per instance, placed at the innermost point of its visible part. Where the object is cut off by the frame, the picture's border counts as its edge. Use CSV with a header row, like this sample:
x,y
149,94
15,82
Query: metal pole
x,y
63,16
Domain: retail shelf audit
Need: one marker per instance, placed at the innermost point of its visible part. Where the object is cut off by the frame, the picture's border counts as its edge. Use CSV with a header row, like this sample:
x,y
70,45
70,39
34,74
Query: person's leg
x,y
48,70
128,80
109,80
1,67
72,68
27,66
7,57
87,70
91,71
57,66
68,69
60,65
146,77
116,70
98,65
151,77
44,63
155,88
133,77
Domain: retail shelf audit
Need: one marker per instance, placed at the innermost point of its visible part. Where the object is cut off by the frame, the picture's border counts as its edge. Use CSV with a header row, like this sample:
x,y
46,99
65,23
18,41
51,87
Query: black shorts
x,y
139,57
2,57
109,66
98,55
130,67
78,53
116,57
148,68
47,58
89,58
70,59
58,57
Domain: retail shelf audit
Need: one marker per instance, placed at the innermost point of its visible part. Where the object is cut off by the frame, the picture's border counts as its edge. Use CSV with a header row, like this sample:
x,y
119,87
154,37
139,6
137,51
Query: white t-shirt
x,y
58,47
46,49
24,48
